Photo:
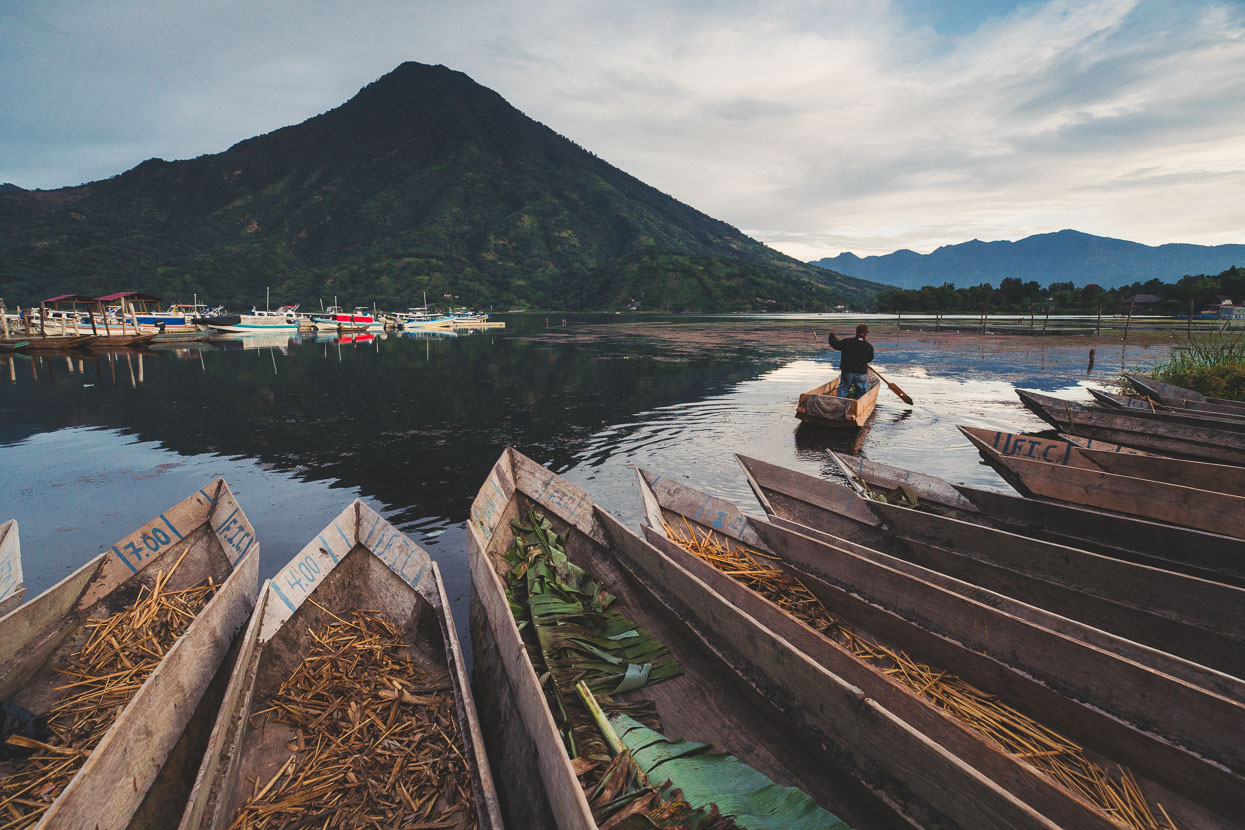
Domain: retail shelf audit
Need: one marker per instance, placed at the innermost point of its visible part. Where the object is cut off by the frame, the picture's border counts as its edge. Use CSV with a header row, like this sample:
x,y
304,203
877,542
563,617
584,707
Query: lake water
x,y
92,446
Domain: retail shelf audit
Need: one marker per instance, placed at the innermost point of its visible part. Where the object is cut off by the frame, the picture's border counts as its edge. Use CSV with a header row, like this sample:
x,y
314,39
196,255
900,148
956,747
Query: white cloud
x,y
817,126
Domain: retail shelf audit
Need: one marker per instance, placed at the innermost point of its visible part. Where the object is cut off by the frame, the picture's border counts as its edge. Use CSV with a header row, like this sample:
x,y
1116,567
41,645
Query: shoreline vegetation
x,y
1190,294
1213,365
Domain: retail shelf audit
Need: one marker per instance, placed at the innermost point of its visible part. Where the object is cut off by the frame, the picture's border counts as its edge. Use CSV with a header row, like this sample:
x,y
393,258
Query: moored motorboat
x,y
1203,475
1209,510
868,618
822,407
735,684
1181,440
145,627
12,588
284,318
365,608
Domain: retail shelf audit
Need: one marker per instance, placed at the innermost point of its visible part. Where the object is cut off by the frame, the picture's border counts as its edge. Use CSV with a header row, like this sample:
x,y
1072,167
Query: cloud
x,y
817,125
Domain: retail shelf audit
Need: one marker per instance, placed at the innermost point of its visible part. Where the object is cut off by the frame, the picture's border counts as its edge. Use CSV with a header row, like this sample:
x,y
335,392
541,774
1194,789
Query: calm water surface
x,y
91,446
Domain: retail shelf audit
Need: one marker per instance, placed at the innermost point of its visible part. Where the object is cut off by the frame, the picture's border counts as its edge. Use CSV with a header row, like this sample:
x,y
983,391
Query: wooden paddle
x,y
903,396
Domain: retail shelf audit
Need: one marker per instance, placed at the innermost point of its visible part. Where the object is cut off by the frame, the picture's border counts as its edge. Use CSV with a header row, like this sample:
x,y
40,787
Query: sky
x,y
815,126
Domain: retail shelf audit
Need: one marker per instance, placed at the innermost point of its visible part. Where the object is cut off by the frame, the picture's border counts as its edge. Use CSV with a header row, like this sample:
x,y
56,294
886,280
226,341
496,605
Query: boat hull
x,y
1181,440
822,407
1203,475
1215,512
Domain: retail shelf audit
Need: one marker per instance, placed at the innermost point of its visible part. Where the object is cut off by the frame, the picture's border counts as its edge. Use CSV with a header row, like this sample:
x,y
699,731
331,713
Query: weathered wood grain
x,y
1156,500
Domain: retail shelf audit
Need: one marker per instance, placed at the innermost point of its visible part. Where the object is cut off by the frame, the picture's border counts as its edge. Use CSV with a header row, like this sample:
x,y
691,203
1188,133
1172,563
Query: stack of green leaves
x,y
719,784
578,634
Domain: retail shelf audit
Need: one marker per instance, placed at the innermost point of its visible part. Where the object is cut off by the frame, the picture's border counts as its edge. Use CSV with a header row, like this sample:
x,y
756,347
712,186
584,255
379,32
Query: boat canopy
x,y
127,295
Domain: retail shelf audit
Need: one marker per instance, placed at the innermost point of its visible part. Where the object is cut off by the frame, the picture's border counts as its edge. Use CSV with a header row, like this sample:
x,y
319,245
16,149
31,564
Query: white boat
x,y
334,319
284,318
415,319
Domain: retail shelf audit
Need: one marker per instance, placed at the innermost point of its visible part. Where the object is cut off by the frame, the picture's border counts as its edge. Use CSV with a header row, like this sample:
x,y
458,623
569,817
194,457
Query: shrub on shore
x,y
1214,366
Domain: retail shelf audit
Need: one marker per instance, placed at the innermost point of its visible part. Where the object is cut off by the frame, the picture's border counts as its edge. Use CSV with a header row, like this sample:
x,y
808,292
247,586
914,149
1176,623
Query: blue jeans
x,y
849,379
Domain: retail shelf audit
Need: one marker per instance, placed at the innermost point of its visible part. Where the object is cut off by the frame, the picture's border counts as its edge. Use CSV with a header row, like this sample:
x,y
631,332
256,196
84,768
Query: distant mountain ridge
x,y
424,181
1066,256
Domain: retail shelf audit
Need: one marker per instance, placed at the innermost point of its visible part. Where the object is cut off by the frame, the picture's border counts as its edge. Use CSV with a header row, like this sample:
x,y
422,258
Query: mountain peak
x,y
423,181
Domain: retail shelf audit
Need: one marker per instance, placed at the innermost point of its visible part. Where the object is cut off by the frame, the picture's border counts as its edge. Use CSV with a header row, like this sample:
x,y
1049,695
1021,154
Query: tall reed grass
x,y
1213,365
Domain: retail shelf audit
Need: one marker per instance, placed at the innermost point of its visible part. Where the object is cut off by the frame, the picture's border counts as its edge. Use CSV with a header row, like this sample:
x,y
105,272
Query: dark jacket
x,y
857,353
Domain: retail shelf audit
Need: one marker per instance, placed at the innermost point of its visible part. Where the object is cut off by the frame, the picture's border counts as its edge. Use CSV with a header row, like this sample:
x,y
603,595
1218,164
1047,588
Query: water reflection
x,y
94,444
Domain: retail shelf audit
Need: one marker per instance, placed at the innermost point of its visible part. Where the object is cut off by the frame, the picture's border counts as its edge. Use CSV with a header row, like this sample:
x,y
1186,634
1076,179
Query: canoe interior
x,y
869,616
1171,622
1147,409
708,703
327,580
360,581
211,537
822,407
1179,396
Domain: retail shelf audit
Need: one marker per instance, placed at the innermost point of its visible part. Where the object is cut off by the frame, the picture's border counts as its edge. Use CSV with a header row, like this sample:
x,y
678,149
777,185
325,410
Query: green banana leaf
x,y
708,779
566,615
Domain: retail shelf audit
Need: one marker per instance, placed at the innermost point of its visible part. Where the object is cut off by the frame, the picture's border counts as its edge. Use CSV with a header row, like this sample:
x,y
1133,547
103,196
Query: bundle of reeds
x,y
376,738
121,651
1055,756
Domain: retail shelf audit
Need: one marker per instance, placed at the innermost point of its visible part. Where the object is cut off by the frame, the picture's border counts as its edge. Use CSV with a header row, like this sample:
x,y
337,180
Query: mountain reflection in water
x,y
96,444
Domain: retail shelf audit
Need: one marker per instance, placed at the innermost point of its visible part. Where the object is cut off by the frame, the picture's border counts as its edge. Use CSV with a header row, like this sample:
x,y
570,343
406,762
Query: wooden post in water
x,y
25,319
1090,370
1046,319
1031,320
43,319
1098,328
1128,320
983,321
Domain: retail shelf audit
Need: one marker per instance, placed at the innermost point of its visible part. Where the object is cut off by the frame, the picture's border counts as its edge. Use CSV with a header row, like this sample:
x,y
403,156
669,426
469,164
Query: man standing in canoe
x,y
854,365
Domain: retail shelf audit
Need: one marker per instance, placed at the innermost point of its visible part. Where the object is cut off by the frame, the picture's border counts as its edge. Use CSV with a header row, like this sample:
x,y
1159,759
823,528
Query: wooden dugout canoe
x,y
52,343
1148,409
1182,440
1059,681
1104,446
1201,475
823,408
1172,503
1185,631
122,783
12,588
1178,396
1210,556
359,561
744,690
